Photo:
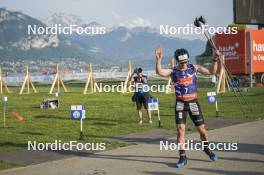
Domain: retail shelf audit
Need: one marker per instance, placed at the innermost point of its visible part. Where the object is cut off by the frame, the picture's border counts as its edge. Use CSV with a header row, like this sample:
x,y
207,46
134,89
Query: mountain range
x,y
116,46
15,43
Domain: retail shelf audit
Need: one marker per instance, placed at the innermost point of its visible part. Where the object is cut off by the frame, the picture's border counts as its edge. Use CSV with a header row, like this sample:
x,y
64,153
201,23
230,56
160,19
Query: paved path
x,y
146,158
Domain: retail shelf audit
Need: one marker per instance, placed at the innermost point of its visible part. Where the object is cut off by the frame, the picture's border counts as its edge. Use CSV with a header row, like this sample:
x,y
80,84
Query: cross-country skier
x,y
184,79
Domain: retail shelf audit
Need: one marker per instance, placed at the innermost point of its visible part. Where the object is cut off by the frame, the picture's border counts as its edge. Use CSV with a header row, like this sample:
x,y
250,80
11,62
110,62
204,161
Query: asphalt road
x,y
147,158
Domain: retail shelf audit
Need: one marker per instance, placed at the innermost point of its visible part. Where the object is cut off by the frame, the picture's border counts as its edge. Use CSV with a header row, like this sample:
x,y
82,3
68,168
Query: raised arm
x,y
159,70
213,68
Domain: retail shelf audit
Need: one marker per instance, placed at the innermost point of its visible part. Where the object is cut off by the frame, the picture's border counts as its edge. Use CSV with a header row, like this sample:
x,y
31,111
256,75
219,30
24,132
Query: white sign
x,y
211,94
4,98
153,104
211,98
57,94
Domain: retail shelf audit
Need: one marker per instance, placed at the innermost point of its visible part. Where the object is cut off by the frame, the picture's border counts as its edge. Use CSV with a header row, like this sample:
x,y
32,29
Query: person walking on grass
x,y
184,79
141,94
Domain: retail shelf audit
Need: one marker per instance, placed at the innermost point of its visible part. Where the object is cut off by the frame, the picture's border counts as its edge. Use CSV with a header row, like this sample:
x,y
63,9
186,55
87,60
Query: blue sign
x,y
76,115
153,104
77,112
211,97
152,100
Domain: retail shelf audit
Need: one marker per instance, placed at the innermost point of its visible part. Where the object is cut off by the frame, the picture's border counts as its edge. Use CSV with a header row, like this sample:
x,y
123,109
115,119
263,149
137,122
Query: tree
x,y
206,56
238,26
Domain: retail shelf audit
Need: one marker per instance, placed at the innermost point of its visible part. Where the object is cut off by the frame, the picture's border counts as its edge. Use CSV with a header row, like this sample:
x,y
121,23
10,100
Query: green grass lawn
x,y
108,114
7,165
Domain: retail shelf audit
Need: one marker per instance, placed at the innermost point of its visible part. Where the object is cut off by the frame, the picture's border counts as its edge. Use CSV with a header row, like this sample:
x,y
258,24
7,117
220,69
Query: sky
x,y
130,12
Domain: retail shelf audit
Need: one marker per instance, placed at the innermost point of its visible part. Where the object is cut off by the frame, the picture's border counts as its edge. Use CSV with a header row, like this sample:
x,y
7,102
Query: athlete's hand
x,y
159,53
217,54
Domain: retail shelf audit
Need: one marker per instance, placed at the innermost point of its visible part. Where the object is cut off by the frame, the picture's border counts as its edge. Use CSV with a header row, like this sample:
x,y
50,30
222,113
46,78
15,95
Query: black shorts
x,y
191,107
142,99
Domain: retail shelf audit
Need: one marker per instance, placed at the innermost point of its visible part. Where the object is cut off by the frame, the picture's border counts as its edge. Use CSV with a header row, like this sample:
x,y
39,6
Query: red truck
x,y
244,54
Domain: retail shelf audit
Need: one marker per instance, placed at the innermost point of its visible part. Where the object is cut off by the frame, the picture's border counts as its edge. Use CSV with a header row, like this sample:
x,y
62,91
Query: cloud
x,y
138,22
115,15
